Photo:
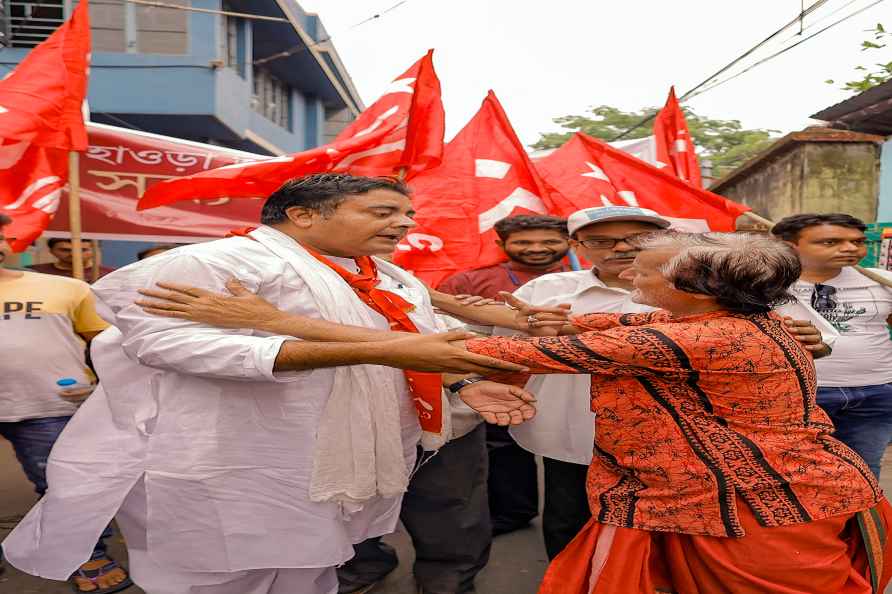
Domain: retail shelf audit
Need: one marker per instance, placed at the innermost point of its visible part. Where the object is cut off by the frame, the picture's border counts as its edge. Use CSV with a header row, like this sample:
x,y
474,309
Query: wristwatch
x,y
457,386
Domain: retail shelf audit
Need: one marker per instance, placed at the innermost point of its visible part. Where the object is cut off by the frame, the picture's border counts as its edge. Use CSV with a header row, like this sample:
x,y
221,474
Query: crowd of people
x,y
256,412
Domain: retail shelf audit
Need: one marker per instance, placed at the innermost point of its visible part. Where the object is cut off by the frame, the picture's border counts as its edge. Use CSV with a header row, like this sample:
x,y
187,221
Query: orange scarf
x,y
426,388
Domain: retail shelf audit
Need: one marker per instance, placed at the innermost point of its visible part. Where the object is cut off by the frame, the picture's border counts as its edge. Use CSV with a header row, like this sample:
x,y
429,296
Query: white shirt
x,y
564,425
862,355
225,443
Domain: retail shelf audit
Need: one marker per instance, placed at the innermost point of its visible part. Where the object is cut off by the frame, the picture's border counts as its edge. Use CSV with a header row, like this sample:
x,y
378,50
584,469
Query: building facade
x,y
815,170
256,75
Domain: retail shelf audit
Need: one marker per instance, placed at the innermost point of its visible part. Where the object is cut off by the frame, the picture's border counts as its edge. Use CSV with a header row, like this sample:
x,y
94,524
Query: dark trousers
x,y
513,482
566,508
862,417
32,440
445,512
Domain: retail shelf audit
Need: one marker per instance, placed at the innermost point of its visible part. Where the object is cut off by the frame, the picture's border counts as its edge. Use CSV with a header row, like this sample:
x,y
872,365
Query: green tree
x,y
881,72
725,142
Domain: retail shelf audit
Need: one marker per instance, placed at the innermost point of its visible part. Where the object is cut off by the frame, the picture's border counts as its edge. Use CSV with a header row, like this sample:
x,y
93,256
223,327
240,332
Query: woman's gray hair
x,y
745,272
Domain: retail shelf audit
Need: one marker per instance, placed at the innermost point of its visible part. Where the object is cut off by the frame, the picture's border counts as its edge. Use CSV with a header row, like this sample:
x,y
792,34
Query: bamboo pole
x,y
74,215
868,273
97,260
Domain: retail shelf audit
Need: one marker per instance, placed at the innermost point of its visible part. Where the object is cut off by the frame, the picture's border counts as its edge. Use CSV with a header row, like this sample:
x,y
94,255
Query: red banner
x,y
120,164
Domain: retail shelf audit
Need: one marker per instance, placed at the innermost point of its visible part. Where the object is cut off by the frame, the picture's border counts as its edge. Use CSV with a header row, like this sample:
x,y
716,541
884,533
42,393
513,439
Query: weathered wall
x,y
884,209
813,177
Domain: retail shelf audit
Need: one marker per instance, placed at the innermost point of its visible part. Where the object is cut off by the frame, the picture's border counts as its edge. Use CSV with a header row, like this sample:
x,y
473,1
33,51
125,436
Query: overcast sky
x,y
557,57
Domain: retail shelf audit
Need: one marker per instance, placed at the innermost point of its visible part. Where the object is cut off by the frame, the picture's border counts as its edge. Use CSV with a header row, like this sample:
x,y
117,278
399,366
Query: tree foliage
x,y
725,142
880,72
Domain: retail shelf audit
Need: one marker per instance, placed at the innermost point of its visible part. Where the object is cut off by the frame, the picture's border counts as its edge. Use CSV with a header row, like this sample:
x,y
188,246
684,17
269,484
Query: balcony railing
x,y
26,23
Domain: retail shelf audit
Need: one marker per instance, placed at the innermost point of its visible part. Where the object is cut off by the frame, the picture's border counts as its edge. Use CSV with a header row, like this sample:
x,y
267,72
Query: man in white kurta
x,y
203,449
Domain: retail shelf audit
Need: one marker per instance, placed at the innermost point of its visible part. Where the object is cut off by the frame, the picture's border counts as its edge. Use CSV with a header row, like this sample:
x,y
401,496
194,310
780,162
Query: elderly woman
x,y
714,470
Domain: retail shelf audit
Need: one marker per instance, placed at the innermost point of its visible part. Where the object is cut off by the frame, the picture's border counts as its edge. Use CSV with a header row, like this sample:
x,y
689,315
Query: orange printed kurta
x,y
696,415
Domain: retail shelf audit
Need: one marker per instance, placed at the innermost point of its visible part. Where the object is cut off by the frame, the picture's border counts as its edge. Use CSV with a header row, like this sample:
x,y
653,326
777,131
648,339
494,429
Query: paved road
x,y
516,565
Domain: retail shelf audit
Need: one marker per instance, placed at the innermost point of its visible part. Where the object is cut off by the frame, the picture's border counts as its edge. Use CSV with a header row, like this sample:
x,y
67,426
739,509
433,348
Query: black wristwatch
x,y
457,386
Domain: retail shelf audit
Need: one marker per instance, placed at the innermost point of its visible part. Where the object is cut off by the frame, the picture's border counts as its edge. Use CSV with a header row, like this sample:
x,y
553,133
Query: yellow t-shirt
x,y
41,316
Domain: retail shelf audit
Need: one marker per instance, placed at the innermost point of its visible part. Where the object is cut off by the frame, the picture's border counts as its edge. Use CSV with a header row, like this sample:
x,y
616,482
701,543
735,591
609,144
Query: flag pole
x,y
74,215
868,273
97,260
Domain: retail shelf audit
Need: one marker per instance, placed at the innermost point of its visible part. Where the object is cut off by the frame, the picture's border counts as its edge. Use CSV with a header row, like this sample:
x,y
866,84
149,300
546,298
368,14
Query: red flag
x,y
485,176
402,130
675,147
587,172
41,119
415,143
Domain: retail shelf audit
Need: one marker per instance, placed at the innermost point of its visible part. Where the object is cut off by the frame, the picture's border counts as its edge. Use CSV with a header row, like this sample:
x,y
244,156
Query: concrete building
x,y
869,112
262,78
845,166
815,170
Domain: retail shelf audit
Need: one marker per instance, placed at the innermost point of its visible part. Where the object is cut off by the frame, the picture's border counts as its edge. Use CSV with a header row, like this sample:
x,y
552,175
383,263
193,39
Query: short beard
x,y
557,258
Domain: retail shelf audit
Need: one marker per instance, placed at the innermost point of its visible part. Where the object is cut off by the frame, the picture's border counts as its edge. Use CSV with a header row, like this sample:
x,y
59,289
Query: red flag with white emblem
x,y
402,131
412,110
675,146
41,119
485,176
587,172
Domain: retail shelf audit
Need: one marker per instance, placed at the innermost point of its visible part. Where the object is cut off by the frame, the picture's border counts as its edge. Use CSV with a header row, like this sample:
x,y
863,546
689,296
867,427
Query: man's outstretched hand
x,y
499,404
440,353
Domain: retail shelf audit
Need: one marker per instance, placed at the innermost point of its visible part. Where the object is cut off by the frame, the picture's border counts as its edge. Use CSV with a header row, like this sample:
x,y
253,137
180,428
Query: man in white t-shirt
x,y
854,384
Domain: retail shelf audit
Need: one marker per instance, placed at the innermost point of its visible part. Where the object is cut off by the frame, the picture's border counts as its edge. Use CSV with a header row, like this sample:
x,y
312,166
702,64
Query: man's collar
x,y
848,278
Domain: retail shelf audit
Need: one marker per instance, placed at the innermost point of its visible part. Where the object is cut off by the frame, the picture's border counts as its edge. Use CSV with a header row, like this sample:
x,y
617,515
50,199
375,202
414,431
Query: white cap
x,y
602,214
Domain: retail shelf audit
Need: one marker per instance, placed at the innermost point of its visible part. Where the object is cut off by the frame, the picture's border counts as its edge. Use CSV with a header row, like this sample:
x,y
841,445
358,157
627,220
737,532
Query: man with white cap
x,y
563,434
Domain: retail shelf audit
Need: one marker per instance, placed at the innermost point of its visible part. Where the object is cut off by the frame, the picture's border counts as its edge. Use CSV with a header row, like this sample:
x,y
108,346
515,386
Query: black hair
x,y
323,193
5,220
54,240
789,228
505,227
161,246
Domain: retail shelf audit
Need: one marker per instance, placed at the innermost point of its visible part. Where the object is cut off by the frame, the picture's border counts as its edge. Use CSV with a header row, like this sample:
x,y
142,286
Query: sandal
x,y
94,574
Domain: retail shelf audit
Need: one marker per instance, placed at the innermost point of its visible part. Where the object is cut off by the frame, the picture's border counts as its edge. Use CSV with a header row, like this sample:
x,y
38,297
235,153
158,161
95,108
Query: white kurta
x,y
564,425
224,444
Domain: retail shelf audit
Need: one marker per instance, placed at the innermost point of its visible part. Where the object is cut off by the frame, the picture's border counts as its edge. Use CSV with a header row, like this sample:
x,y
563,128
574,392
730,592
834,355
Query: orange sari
x,y
838,555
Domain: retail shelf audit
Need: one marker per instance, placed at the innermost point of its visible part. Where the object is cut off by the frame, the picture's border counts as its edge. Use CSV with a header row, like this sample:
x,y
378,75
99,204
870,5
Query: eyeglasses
x,y
822,298
606,243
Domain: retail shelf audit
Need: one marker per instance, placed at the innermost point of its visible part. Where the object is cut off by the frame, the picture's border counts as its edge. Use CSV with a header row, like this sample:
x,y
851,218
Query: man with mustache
x,y
535,245
600,236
